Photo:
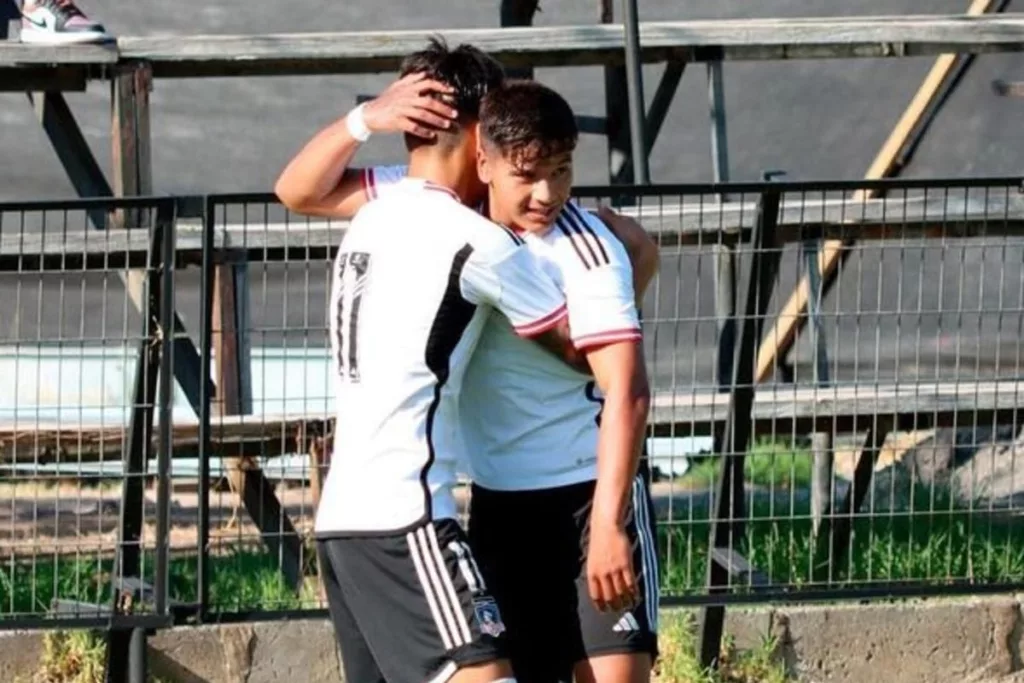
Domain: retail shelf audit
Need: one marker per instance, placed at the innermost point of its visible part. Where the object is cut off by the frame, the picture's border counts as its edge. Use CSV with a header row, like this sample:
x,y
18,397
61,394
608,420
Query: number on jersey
x,y
591,393
353,269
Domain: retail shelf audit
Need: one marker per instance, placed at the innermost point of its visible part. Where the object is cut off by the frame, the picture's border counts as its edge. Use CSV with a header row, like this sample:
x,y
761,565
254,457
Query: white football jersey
x,y
415,278
529,420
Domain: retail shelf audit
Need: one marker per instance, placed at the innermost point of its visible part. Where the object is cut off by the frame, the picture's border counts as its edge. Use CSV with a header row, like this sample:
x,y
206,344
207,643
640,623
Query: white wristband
x,y
356,124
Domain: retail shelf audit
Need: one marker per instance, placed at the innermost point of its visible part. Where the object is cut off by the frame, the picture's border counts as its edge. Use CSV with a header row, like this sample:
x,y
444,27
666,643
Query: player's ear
x,y
478,143
483,166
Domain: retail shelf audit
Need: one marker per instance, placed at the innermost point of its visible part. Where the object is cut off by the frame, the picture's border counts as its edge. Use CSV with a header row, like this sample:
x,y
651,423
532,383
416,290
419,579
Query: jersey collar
x,y
422,184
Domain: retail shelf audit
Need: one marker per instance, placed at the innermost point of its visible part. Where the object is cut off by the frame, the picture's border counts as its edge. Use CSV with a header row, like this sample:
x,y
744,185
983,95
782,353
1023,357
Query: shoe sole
x,y
46,38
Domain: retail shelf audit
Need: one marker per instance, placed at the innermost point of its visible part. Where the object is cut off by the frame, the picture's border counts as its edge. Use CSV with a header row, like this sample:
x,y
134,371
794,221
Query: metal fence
x,y
876,457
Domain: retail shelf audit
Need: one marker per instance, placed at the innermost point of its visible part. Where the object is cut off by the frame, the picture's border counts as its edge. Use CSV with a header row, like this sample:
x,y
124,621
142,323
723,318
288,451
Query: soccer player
x,y
541,504
416,277
561,514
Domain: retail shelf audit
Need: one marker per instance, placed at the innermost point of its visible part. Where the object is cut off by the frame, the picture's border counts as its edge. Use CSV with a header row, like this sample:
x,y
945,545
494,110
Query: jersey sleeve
x,y
376,180
598,283
516,284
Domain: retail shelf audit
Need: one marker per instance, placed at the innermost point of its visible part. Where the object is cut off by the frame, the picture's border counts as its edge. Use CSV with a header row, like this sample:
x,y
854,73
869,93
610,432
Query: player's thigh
x,y
356,658
633,631
530,566
627,667
421,603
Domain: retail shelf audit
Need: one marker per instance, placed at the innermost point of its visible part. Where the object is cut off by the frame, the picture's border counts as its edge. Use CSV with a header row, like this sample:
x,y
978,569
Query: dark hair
x,y
469,70
527,121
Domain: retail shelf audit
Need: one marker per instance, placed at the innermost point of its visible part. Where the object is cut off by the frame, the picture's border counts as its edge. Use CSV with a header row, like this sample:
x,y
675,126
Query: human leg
x,y
357,660
621,647
424,611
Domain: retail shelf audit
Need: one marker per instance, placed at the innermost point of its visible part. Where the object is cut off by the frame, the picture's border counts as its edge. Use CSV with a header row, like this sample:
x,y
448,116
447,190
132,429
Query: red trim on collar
x,y
427,185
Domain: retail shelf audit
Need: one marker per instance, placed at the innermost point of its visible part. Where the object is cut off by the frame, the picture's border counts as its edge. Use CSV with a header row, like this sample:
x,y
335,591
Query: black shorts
x,y
531,547
410,607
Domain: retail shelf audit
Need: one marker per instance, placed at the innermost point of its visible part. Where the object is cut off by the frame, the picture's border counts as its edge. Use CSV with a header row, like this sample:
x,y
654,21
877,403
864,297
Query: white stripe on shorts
x,y
436,608
648,552
449,586
436,584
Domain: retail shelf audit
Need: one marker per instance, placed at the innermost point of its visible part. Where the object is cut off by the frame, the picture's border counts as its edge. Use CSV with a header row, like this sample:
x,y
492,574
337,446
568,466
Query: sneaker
x,y
58,22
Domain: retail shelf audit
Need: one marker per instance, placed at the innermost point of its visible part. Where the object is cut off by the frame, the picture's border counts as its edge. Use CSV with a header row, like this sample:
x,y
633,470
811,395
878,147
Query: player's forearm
x,y
623,426
318,168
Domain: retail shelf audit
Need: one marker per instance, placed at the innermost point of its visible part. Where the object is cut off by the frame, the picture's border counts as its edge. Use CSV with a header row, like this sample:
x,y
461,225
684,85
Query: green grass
x,y
74,657
240,580
930,536
679,660
768,464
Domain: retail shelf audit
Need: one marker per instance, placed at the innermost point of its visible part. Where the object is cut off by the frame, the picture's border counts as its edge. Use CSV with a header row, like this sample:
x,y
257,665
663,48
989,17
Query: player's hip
x,y
531,547
552,521
368,506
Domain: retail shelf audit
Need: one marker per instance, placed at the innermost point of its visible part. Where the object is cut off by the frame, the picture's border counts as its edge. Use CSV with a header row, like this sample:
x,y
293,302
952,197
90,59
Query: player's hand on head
x,y
610,577
410,105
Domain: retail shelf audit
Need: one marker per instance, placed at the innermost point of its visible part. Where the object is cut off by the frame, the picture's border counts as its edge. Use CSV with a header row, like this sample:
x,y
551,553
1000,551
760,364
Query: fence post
x,y
126,645
206,396
727,525
165,218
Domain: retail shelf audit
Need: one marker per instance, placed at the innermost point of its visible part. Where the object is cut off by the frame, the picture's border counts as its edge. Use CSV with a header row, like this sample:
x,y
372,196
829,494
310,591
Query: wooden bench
x,y
601,44
690,223
778,409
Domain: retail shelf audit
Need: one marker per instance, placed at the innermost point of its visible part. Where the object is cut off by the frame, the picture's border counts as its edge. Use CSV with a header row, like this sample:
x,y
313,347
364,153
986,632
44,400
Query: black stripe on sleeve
x,y
571,224
561,224
581,220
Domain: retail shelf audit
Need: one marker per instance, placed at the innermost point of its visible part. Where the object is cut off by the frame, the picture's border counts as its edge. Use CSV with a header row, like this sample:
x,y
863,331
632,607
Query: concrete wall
x,y
968,641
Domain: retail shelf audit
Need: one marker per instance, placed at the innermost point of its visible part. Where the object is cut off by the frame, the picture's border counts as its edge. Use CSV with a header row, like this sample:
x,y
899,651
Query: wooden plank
x,y
694,223
50,79
787,409
783,333
777,409
694,41
231,436
801,38
739,569
15,55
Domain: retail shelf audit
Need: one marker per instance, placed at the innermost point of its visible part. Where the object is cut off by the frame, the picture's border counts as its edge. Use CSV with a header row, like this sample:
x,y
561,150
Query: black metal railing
x,y
872,457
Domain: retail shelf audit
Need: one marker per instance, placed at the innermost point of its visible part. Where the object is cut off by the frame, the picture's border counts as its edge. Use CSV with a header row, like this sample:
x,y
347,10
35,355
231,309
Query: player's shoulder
x,y
583,239
492,241
376,178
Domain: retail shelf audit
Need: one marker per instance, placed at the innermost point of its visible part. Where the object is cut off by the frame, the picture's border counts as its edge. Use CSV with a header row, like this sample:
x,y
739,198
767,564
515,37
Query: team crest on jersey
x,y
488,616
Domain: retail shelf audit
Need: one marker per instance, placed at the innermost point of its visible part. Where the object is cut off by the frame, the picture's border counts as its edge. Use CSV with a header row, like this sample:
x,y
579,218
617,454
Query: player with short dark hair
x,y
561,514
415,278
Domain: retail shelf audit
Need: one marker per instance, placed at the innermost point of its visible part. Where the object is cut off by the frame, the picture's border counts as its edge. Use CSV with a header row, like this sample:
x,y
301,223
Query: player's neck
x,y
444,171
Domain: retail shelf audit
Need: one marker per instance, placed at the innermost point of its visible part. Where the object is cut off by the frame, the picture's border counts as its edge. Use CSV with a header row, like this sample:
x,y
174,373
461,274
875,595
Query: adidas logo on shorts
x,y
627,623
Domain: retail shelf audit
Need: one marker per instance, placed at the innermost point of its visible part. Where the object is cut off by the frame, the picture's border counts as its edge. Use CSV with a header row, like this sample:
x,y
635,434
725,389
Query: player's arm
x,y
641,248
318,181
515,283
606,327
619,371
